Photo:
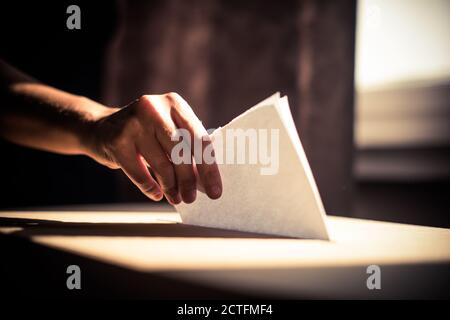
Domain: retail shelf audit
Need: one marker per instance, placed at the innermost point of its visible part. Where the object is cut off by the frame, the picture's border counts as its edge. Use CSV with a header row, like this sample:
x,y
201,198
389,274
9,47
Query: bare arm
x,y
35,115
132,138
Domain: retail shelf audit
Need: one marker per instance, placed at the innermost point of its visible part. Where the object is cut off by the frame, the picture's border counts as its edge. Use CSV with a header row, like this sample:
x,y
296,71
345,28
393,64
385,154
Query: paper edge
x,y
281,105
284,111
266,102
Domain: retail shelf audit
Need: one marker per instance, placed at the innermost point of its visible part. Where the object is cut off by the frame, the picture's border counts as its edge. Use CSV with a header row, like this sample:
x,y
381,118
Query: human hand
x,y
137,139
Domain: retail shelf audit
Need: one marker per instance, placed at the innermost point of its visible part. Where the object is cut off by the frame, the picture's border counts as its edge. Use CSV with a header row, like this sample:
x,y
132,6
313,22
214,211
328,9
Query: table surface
x,y
157,242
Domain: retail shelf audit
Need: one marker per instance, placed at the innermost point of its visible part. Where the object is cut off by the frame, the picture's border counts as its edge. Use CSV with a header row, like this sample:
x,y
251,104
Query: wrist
x,y
88,132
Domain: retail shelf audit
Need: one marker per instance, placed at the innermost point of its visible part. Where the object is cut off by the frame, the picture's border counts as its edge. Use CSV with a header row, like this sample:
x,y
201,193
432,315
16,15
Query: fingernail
x,y
158,195
189,196
174,199
216,192
172,195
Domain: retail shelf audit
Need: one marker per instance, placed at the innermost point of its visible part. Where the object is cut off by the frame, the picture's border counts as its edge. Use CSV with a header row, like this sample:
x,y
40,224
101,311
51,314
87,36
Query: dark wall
x,y
35,39
223,56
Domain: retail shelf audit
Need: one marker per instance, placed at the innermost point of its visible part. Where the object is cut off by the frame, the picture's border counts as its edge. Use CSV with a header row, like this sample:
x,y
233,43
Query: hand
x,y
137,138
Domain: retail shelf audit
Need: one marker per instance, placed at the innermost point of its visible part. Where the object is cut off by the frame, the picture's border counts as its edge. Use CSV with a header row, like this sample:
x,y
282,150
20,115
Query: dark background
x,y
34,38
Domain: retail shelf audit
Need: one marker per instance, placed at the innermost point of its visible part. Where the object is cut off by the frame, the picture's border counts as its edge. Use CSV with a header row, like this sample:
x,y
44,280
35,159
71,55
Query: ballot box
x,y
148,253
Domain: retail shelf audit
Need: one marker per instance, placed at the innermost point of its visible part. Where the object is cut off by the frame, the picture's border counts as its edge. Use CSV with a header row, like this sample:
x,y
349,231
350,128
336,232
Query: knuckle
x,y
146,98
172,96
132,125
146,102
173,99
150,110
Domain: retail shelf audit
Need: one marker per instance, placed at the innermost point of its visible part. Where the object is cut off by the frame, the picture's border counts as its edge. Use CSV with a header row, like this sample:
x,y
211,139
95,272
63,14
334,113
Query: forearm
x,y
134,138
36,115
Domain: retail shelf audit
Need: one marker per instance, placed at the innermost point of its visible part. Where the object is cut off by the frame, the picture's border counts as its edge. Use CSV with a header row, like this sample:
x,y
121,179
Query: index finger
x,y
208,171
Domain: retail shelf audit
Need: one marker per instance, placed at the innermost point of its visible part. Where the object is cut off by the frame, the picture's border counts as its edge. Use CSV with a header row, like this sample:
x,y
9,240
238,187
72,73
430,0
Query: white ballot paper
x,y
268,186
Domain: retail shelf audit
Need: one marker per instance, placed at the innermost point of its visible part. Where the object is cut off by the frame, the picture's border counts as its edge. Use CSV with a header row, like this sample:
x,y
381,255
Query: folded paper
x,y
268,186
